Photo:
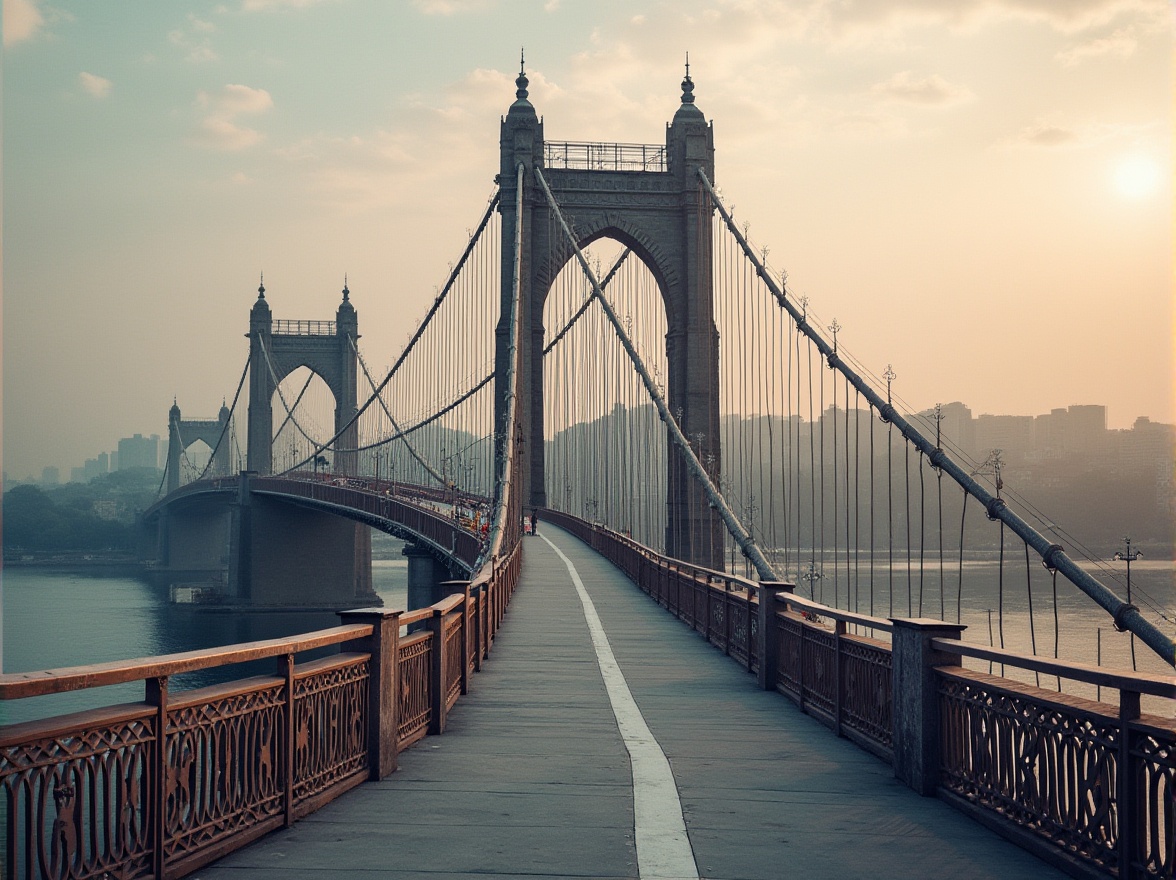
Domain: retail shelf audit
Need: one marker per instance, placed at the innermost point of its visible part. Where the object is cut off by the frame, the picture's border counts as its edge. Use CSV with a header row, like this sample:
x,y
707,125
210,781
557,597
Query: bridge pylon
x,y
181,433
648,199
276,349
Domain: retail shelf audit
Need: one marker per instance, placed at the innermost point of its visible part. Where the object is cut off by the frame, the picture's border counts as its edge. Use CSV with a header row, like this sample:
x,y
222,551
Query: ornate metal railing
x,y
302,328
160,787
1085,785
604,157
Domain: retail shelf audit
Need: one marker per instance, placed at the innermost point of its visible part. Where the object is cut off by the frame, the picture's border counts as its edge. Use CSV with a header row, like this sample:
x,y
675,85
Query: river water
x,y
55,618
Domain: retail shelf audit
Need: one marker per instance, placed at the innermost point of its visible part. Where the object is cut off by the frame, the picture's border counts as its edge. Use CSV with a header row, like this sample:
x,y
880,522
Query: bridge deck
x,y
532,777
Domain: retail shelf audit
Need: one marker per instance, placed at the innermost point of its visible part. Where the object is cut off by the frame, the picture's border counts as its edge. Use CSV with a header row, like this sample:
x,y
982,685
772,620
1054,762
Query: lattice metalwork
x,y
1048,767
453,635
77,803
415,674
224,760
818,661
1153,765
330,730
866,698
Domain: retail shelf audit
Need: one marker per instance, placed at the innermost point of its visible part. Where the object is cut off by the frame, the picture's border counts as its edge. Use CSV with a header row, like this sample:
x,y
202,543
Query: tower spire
x,y
346,292
261,287
687,84
522,82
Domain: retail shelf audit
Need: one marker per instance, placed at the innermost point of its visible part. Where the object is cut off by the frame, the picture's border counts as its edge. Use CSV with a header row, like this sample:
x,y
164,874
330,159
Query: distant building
x,y
1008,433
50,476
138,452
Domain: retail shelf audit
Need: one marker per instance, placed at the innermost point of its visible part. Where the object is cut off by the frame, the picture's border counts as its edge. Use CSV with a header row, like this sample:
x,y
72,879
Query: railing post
x,y
768,645
916,699
1128,794
383,721
436,626
156,695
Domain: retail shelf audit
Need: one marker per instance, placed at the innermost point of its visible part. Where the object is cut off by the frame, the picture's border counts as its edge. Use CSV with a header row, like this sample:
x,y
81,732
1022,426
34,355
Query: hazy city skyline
x,y
978,190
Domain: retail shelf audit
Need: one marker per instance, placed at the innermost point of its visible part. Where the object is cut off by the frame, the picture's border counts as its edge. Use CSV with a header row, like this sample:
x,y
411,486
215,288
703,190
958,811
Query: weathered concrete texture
x,y
532,780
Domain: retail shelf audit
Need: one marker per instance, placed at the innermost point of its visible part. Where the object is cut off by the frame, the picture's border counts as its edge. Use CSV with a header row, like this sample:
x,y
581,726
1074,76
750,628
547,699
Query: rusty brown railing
x,y
1087,786
160,787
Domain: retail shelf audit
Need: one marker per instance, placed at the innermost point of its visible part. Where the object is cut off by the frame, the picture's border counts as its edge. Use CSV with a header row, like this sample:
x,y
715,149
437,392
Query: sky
x,y
978,191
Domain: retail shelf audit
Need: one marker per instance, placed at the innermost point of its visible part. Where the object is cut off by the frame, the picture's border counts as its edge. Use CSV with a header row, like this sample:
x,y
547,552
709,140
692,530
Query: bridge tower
x,y
181,433
327,348
660,212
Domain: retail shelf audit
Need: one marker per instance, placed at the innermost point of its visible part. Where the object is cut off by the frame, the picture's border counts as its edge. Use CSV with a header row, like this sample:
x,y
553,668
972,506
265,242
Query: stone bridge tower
x,y
276,349
182,433
650,200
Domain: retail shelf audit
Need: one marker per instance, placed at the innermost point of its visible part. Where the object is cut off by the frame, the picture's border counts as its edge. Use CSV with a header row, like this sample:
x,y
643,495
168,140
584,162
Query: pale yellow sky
x,y
979,191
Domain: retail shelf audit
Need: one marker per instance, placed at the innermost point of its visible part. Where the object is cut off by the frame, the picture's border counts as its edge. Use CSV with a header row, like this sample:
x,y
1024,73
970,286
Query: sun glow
x,y
1136,177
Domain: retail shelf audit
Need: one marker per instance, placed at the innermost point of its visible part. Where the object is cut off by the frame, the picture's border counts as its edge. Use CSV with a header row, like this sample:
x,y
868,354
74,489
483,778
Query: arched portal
x,y
649,198
605,449
278,348
183,433
304,419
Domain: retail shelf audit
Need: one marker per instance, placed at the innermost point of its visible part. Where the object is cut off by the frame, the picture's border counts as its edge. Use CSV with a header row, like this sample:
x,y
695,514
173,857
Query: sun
x,y
1136,177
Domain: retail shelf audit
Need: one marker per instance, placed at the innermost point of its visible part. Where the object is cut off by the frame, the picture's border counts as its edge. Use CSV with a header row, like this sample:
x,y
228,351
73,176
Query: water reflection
x,y
55,618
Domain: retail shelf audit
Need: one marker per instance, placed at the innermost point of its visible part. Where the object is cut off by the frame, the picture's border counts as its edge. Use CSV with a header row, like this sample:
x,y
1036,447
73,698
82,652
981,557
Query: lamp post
x,y
1128,556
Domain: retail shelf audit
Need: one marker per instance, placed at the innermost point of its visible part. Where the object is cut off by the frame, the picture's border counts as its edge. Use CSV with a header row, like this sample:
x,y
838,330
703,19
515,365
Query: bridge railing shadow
x,y
1087,785
163,786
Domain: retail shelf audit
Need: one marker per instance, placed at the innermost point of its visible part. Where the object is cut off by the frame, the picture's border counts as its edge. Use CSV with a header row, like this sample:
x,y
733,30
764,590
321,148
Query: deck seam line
x,y
663,846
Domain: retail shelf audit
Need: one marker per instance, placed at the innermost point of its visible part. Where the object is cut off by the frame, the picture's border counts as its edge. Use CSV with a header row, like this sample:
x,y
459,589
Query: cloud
x,y
22,20
219,129
198,52
95,86
1044,134
1121,44
267,5
869,21
453,7
929,91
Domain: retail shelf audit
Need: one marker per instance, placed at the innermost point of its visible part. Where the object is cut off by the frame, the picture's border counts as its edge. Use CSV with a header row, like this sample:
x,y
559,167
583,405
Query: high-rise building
x,y
138,452
50,476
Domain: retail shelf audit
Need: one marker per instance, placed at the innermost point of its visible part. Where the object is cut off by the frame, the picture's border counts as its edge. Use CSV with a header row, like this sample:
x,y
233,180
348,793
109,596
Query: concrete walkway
x,y
532,778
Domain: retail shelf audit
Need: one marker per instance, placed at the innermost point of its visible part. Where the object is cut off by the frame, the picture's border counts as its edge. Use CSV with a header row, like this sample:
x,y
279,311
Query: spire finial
x,y
261,287
687,84
346,292
522,82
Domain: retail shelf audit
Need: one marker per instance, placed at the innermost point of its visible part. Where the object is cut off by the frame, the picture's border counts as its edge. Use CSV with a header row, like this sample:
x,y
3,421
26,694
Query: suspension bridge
x,y
611,359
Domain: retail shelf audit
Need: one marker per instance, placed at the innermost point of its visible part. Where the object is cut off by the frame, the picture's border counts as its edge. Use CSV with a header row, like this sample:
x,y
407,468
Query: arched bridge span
x,y
297,540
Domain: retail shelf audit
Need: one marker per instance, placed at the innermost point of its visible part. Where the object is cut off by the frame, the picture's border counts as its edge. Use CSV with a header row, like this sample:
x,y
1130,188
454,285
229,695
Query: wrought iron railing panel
x,y
867,686
330,729
453,630
604,157
819,664
788,671
76,800
717,626
415,674
224,759
738,645
1048,767
1153,766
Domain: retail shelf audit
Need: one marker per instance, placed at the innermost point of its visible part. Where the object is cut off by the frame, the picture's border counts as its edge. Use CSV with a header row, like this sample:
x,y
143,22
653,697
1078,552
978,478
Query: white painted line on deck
x,y
663,848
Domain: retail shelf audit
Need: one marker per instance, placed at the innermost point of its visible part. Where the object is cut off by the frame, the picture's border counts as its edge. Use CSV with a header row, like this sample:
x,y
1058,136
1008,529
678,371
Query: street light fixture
x,y
1128,556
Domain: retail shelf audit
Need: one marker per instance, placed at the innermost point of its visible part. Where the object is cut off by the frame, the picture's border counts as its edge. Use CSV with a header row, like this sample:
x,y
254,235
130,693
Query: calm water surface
x,y
59,618
56,618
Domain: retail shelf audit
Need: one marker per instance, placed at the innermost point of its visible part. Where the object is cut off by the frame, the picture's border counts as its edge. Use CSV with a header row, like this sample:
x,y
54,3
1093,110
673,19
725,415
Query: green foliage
x,y
94,517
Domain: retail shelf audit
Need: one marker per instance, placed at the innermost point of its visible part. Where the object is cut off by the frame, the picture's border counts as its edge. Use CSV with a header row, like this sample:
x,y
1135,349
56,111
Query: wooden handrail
x,y
16,685
1142,683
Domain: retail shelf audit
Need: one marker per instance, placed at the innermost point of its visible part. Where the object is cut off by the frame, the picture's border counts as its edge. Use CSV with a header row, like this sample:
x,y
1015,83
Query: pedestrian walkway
x,y
532,777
